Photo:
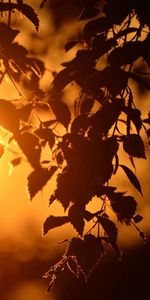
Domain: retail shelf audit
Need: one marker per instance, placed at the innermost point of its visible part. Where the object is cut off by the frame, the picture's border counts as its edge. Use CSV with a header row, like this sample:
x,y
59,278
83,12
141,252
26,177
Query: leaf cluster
x,y
85,153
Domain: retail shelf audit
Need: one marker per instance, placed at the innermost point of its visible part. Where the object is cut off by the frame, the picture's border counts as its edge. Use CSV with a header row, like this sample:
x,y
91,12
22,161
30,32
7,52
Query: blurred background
x,y
24,254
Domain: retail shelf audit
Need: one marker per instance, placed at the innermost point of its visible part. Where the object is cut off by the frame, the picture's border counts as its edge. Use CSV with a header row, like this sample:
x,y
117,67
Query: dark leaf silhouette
x,y
140,80
111,231
38,179
96,26
128,53
70,45
1,150
147,120
61,111
53,222
104,118
123,206
117,11
111,51
87,105
87,251
100,45
137,218
16,161
89,13
135,116
45,161
30,146
133,179
109,228
24,112
76,215
25,9
62,79
43,3
49,123
80,124
142,12
133,145
8,116
47,135
7,34
115,79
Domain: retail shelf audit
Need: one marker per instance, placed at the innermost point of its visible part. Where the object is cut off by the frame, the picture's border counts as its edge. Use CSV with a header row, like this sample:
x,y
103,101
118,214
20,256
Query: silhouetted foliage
x,y
85,140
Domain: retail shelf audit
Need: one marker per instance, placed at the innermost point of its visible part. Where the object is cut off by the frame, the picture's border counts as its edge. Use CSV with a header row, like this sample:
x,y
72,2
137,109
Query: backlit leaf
x,y
38,179
8,116
61,111
25,9
30,146
47,135
133,179
109,228
123,206
87,251
76,217
96,26
133,145
53,222
135,116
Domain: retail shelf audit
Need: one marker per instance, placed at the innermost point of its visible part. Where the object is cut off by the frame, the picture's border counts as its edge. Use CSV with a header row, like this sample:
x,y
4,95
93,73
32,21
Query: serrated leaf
x,y
47,135
89,13
38,179
133,179
76,217
87,251
30,146
109,228
61,111
115,79
104,118
53,222
135,116
123,206
25,9
134,146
